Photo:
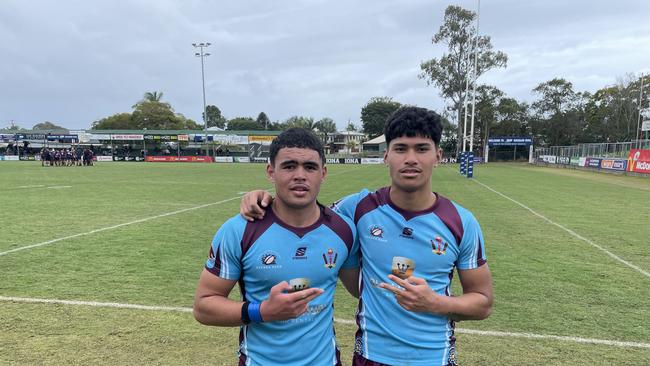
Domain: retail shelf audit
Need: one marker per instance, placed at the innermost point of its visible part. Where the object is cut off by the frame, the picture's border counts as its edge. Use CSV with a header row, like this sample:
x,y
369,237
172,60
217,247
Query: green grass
x,y
546,280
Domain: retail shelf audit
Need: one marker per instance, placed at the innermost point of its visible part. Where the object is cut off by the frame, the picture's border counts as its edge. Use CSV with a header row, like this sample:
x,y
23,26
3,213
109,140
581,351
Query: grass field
x,y
568,251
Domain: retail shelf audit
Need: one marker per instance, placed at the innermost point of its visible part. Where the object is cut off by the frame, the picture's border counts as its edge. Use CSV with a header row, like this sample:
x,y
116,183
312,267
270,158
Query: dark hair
x,y
297,137
412,122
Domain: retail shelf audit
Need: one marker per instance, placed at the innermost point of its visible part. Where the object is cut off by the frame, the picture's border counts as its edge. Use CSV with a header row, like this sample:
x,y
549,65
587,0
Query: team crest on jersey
x,y
377,231
438,247
330,258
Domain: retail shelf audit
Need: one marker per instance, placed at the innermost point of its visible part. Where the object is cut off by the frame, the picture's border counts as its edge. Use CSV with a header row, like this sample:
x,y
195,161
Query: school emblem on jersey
x,y
330,258
377,231
438,247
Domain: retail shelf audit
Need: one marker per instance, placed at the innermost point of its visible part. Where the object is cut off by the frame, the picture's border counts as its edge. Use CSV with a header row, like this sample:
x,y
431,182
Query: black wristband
x,y
244,313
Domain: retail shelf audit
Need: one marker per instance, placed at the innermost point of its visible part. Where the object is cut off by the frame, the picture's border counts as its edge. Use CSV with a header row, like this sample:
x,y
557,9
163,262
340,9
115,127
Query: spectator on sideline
x,y
286,264
411,239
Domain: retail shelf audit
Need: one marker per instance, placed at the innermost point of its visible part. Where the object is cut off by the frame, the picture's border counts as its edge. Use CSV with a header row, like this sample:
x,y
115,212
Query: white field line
x,y
117,226
34,186
639,269
59,187
337,320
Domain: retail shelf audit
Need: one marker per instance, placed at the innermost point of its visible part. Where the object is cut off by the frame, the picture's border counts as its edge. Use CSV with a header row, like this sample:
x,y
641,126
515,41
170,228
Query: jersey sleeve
x,y
347,205
225,252
472,247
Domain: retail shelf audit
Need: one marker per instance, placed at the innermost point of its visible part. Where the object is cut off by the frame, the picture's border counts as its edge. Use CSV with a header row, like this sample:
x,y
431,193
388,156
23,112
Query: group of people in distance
x,y
395,249
66,157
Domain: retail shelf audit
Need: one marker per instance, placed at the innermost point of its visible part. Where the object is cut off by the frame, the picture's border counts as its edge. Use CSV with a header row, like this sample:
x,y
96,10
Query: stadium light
x,y
203,55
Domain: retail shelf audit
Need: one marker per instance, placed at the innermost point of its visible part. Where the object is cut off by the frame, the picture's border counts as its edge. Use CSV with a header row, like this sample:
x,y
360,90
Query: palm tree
x,y
153,96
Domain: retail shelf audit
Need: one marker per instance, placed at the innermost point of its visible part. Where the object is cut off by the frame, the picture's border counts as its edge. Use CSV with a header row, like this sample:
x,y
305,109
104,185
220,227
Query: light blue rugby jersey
x,y
264,253
428,244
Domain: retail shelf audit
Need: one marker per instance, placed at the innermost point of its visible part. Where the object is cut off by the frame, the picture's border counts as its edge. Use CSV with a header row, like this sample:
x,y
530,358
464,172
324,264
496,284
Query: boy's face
x,y
411,161
297,174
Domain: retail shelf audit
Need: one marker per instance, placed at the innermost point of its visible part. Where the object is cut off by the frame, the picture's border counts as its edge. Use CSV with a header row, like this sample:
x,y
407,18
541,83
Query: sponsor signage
x,y
127,137
155,138
614,164
563,160
243,159
182,159
370,160
103,158
574,160
11,158
549,159
593,162
231,139
510,141
183,137
27,158
30,136
259,160
582,162
62,137
223,159
639,161
264,140
7,138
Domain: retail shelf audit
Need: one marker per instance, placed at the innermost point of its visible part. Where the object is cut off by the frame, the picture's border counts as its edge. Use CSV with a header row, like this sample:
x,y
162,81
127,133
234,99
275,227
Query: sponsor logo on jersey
x,y
330,258
301,253
407,232
438,247
403,267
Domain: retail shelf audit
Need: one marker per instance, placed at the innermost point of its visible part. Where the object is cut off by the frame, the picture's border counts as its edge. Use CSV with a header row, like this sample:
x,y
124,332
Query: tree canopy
x,y
374,114
450,72
47,126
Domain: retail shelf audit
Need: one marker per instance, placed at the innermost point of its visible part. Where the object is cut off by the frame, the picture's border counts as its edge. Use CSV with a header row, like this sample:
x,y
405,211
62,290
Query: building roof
x,y
376,140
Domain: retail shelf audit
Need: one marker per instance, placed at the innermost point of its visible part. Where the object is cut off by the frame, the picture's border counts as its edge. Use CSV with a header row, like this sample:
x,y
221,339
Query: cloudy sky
x,y
74,62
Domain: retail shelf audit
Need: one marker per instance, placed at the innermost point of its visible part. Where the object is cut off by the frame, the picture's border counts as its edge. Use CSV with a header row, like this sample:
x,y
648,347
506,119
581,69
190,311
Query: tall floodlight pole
x,y
638,123
475,76
203,55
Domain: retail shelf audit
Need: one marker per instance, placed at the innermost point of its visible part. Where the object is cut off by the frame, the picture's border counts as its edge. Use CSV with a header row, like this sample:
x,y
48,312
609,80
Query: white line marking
x,y
117,226
641,270
59,187
337,320
36,186
554,337
96,304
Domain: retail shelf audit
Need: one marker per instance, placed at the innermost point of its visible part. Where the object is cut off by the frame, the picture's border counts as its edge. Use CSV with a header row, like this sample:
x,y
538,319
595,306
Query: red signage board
x,y
182,159
639,161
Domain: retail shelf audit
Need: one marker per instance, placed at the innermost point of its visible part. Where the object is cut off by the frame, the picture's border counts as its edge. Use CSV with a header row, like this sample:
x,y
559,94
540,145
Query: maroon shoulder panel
x,y
254,230
332,220
448,213
371,202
